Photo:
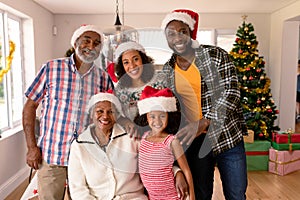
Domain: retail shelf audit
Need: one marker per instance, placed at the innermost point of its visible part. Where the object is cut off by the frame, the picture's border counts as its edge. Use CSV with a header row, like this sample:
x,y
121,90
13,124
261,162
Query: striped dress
x,y
155,164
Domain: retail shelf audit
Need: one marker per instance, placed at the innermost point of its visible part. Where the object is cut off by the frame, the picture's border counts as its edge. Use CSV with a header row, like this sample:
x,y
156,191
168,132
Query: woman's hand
x,y
129,127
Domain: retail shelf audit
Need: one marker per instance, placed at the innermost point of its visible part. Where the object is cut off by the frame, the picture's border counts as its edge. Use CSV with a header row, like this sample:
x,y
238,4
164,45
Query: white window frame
x,y
7,78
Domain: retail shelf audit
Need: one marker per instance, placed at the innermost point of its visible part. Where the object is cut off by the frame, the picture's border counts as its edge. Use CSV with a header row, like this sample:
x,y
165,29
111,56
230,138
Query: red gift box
x,y
283,162
284,137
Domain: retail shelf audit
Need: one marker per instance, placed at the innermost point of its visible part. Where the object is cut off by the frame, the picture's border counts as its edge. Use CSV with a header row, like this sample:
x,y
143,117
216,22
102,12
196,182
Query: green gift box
x,y
289,146
257,155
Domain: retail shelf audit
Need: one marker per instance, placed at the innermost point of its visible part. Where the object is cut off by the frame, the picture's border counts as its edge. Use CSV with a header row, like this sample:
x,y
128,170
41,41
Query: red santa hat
x,y
153,99
126,46
84,28
106,96
186,16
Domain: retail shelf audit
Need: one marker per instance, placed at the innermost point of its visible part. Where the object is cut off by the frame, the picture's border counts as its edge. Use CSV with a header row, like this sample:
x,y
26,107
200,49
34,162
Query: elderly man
x,y
63,87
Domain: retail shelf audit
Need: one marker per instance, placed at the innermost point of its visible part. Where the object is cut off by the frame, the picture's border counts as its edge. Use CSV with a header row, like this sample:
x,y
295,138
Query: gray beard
x,y
84,58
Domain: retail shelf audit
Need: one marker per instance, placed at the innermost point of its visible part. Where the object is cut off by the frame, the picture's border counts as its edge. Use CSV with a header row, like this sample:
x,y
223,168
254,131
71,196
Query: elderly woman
x,y
103,159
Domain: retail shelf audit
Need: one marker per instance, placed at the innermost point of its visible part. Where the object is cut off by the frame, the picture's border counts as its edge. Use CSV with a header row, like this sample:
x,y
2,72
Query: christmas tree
x,y
259,108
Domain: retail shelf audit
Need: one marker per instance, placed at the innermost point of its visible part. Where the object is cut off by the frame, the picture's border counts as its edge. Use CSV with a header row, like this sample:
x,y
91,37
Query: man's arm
x,y
33,157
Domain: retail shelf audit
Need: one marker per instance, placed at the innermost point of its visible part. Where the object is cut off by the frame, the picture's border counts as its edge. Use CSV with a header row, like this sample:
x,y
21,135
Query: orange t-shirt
x,y
188,86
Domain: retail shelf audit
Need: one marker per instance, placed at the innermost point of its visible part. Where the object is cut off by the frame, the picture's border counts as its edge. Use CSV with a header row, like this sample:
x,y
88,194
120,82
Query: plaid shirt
x,y
220,98
64,94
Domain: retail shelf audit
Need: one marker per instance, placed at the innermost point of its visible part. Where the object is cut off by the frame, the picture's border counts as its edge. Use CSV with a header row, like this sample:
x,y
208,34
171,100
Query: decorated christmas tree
x,y
259,108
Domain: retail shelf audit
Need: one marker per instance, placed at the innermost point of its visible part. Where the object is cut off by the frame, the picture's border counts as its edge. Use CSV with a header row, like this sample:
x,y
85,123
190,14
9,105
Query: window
x,y
156,46
219,37
11,85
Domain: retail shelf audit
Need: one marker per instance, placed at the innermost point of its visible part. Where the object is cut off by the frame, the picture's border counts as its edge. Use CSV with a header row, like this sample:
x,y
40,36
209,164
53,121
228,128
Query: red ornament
x,y
248,69
277,111
240,51
258,101
258,70
237,39
250,78
270,110
261,135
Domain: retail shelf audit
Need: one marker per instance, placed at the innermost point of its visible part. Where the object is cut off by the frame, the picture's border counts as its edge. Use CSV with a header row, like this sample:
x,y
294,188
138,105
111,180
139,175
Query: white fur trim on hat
x,y
166,104
179,16
127,46
84,28
106,97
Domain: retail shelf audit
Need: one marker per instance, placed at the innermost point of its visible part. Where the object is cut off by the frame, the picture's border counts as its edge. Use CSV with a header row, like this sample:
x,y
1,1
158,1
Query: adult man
x,y
64,87
205,81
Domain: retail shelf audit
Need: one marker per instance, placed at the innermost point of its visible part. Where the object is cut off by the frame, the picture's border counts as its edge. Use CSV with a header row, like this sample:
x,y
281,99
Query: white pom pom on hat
x,y
186,16
125,46
84,28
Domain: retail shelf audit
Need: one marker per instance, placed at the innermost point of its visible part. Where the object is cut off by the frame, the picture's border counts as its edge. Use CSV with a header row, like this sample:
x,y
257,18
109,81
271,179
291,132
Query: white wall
x,y
66,24
283,61
38,45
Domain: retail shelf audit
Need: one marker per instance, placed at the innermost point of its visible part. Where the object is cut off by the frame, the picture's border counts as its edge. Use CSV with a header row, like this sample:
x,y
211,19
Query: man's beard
x,y
93,54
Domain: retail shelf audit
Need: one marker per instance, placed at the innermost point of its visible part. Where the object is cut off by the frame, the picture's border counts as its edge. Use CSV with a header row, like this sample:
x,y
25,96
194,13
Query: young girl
x,y
159,148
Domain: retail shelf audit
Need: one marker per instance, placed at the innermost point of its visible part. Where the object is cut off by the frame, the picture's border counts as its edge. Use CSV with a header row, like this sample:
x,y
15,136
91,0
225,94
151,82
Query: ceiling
x,y
162,6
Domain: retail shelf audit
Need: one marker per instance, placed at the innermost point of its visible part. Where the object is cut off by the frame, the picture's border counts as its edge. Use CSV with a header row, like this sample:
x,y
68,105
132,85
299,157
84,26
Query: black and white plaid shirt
x,y
220,98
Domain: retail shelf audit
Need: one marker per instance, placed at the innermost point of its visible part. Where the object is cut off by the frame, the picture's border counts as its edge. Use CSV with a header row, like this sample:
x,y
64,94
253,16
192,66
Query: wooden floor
x,y
262,185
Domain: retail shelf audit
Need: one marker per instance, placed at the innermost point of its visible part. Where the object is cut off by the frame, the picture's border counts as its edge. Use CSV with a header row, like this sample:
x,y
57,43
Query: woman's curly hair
x,y
146,76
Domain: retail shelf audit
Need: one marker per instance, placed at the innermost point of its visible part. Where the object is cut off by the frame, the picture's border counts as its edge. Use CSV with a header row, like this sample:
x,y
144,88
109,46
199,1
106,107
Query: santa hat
x,y
188,17
131,45
84,28
106,96
153,99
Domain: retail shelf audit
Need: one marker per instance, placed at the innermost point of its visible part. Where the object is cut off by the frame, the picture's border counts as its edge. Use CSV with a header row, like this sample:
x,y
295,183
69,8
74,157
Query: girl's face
x,y
104,116
132,62
157,120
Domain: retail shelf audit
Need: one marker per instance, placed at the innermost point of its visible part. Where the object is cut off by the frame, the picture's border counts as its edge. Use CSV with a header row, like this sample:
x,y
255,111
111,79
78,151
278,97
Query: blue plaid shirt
x,y
64,95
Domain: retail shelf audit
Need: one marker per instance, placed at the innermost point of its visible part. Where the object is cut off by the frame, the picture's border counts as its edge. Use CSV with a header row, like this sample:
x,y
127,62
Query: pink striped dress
x,y
155,164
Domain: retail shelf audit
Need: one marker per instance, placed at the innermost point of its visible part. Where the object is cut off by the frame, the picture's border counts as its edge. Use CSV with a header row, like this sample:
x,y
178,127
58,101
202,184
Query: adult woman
x,y
103,159
135,70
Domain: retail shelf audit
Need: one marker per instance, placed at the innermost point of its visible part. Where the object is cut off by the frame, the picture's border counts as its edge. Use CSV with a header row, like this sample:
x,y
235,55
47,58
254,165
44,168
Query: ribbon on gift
x,y
286,137
281,162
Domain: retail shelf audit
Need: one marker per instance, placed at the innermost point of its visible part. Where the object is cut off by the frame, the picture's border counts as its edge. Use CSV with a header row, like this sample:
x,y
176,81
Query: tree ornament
x,y
258,70
240,51
261,135
268,107
244,77
263,98
250,78
248,43
258,101
248,69
262,77
246,29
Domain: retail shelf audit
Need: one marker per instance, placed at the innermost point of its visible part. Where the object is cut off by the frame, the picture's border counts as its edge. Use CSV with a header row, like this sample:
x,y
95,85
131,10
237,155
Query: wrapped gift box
x,y
283,162
257,155
284,137
250,137
286,140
